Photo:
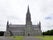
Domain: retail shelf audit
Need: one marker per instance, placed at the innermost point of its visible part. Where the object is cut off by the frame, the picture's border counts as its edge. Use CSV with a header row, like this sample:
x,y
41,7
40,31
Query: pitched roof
x,y
16,25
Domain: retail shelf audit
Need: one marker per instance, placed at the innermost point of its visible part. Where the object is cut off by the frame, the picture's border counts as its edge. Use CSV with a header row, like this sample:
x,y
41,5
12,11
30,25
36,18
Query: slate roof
x,y
16,25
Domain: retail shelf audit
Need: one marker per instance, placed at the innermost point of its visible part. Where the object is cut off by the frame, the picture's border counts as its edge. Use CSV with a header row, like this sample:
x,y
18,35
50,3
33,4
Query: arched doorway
x,y
28,34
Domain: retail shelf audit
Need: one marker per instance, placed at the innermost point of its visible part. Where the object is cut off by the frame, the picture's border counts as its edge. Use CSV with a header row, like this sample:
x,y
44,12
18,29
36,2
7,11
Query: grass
x,y
18,37
42,37
45,37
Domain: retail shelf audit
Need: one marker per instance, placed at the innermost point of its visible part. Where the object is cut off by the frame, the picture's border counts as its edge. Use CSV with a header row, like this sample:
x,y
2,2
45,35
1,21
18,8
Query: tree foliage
x,y
1,33
49,32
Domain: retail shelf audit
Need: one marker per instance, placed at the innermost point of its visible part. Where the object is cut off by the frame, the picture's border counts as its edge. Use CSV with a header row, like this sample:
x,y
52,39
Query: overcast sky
x,y
15,12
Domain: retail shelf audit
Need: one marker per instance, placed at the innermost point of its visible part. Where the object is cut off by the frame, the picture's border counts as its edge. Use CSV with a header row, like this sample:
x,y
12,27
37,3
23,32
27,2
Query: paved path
x,y
31,38
6,38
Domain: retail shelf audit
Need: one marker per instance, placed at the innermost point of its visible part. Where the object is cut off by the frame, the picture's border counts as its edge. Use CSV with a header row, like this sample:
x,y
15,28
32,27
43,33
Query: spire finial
x,y
28,11
28,7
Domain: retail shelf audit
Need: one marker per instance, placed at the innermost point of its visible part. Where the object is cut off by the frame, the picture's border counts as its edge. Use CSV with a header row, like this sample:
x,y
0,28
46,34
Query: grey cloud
x,y
50,17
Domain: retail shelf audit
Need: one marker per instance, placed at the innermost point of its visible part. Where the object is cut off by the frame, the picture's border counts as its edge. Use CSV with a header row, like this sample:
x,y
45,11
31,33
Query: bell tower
x,y
28,29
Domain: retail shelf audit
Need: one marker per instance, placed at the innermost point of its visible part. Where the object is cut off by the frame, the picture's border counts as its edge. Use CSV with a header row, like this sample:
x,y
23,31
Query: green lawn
x,y
42,37
18,37
45,37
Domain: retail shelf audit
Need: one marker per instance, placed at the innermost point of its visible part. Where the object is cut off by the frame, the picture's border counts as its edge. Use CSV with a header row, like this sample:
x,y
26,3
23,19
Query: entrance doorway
x,y
28,34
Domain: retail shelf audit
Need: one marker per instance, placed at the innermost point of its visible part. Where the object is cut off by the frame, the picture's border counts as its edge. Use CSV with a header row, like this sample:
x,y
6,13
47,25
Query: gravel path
x,y
31,38
6,38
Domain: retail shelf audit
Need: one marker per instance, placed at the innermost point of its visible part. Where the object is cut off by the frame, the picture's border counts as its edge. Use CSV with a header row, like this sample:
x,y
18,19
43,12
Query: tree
x,y
1,33
49,32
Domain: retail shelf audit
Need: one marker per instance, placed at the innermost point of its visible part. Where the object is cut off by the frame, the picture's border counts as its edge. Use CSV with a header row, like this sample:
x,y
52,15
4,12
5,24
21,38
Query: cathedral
x,y
24,30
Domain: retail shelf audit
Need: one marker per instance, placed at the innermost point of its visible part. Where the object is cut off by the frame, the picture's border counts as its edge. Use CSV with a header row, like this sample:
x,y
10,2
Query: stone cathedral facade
x,y
23,30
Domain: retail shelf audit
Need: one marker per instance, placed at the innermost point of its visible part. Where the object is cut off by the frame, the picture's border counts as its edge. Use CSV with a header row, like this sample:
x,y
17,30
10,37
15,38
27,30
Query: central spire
x,y
28,16
28,9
